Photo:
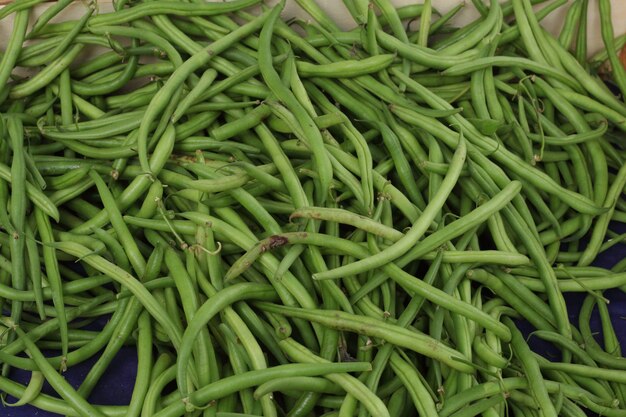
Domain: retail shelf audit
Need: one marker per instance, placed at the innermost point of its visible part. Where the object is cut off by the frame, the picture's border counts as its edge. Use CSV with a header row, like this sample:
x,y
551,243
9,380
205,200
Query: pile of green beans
x,y
288,218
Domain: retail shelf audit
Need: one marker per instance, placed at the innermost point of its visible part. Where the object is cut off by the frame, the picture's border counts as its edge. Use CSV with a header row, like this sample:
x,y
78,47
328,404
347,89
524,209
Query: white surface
x,y
338,12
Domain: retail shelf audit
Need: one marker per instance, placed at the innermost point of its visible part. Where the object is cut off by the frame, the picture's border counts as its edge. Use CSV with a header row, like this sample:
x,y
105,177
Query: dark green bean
x,y
606,26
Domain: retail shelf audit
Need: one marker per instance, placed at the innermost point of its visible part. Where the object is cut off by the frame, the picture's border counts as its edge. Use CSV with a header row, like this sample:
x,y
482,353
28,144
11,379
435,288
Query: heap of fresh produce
x,y
287,218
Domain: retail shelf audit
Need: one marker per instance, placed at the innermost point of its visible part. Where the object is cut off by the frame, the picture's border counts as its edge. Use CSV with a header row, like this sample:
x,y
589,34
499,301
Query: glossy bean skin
x,y
607,37
63,44
342,320
281,92
17,211
159,102
11,53
346,69
416,231
124,16
61,386
43,78
126,279
536,382
251,378
204,314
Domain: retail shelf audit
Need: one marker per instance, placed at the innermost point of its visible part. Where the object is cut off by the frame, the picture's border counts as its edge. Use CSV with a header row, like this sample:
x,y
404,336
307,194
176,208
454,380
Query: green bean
x,y
159,379
415,233
234,383
600,229
53,404
44,77
33,173
351,385
125,279
593,348
277,241
480,406
239,362
205,313
17,209
536,383
504,156
443,19
603,55
375,328
323,121
202,162
137,185
30,54
69,288
61,46
579,284
465,68
231,81
347,68
114,82
18,6
204,355
357,9
38,110
131,68
540,35
13,47
34,270
310,384
393,20
159,102
538,256
524,22
610,338
346,217
144,360
587,82
320,158
250,120
581,41
364,157
256,355
63,388
583,102
598,160
423,56
262,331
478,33
121,332
318,14
205,82
425,23
567,344
606,28
571,139
83,106
392,143
603,374
414,385
220,183
47,15
566,36
169,7
32,390
52,272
